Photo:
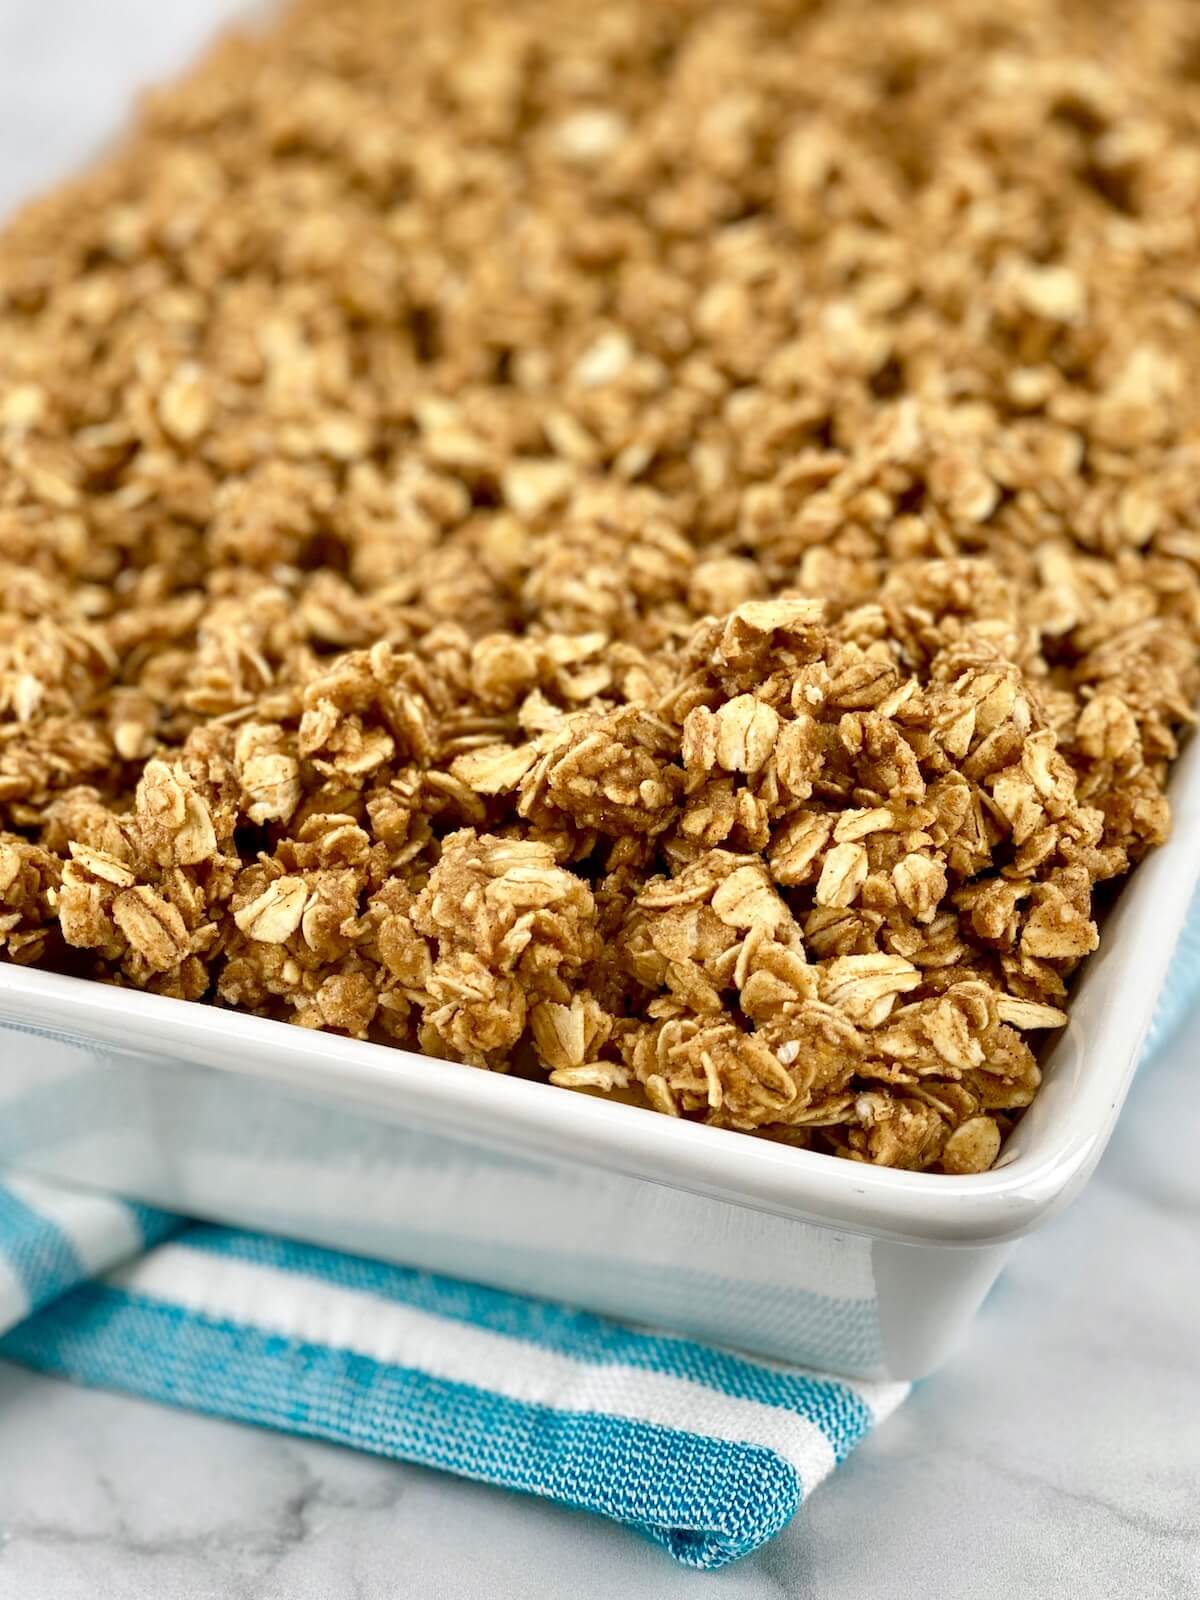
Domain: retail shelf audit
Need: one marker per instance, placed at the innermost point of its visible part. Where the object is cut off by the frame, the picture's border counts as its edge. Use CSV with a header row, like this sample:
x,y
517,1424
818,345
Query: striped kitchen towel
x,y
707,1452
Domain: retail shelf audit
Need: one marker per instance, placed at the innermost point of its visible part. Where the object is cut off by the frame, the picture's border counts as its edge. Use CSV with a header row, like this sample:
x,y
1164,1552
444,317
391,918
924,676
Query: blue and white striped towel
x,y
707,1452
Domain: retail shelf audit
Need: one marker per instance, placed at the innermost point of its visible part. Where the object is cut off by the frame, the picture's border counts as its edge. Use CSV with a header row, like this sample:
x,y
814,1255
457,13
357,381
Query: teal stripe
x,y
39,1252
707,1500
153,1224
838,1411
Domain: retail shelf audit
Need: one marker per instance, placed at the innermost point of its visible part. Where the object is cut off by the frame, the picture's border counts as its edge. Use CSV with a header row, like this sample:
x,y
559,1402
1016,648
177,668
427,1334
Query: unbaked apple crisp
x,y
651,543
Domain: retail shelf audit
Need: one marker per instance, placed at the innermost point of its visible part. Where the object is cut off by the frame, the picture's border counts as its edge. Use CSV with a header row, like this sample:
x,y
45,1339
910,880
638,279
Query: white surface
x,y
67,68
1060,1454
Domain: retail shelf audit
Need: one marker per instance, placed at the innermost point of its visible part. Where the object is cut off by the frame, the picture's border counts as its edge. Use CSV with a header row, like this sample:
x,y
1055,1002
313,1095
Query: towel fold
x,y
705,1451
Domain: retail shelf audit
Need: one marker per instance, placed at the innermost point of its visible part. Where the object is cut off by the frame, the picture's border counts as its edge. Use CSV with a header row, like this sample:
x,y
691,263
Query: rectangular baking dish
x,y
856,1270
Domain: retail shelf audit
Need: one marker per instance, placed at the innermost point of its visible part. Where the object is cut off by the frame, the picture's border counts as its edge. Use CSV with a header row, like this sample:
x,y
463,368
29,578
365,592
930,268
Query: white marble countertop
x,y
1059,1453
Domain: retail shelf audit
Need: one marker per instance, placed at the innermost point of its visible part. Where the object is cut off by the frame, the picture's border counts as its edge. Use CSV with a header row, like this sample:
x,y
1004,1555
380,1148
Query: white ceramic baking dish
x,y
787,1253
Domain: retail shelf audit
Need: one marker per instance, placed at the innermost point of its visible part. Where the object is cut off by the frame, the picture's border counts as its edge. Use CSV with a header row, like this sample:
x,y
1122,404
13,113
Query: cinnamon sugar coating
x,y
651,543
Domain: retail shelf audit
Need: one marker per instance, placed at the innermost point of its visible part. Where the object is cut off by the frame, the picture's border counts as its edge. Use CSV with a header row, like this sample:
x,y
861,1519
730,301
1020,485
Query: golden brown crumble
x,y
652,543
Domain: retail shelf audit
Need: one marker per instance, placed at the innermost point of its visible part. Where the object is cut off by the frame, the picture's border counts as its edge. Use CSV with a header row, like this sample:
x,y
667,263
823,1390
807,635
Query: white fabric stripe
x,y
14,1302
881,1398
102,1229
348,1319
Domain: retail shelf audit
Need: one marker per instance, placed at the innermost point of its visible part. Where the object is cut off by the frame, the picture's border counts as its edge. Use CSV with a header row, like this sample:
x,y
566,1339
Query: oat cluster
x,y
651,543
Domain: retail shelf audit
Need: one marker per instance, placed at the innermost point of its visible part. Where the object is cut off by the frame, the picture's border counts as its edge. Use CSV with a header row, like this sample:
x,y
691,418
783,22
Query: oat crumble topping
x,y
652,542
